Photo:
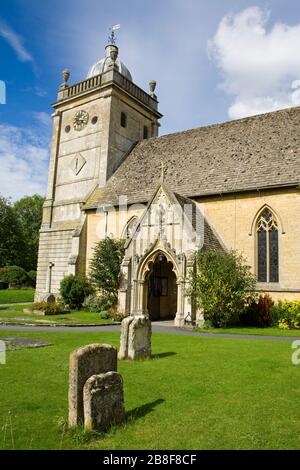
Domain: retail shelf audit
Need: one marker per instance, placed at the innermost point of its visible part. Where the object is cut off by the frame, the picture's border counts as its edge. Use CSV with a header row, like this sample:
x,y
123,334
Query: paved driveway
x,y
158,327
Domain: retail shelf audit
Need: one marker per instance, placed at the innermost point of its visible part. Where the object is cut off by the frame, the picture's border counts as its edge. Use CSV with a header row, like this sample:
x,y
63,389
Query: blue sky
x,y
213,61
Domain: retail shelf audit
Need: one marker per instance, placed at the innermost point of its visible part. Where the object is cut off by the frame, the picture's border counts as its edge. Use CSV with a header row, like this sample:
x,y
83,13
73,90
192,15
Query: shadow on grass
x,y
143,410
81,436
163,355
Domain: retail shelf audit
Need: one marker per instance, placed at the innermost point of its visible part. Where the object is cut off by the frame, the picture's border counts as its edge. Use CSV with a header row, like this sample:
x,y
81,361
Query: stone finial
x,y
66,75
152,86
113,54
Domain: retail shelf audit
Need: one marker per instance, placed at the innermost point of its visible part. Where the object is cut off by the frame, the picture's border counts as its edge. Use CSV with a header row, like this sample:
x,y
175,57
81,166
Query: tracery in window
x,y
267,247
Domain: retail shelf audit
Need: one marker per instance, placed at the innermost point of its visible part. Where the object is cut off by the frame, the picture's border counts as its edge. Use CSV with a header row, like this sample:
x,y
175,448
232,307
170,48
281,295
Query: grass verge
x,y
9,296
250,331
14,314
224,394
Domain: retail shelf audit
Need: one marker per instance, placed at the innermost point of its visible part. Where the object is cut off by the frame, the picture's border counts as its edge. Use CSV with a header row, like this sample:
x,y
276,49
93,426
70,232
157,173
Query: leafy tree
x,y
74,289
15,276
221,285
32,278
29,214
12,243
105,267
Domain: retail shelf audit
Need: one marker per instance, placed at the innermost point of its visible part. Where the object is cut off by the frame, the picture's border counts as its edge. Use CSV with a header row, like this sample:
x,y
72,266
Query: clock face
x,y
80,120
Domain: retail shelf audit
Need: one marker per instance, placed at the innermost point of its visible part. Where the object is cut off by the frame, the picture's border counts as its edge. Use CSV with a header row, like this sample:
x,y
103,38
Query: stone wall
x,y
80,161
233,217
54,247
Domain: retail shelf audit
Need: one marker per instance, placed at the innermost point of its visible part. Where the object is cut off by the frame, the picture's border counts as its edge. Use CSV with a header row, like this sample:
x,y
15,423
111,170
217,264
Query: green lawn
x,y
196,393
250,331
10,296
14,314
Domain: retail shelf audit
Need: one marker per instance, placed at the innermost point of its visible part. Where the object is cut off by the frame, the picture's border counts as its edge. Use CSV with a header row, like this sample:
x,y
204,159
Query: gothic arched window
x,y
267,247
129,228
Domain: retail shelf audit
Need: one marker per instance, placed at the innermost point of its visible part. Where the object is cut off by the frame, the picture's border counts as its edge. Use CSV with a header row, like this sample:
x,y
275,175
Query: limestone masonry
x,y
227,186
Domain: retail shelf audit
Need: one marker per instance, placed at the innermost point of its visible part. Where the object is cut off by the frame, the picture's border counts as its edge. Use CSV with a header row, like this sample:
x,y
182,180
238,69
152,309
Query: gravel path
x,y
158,327
19,303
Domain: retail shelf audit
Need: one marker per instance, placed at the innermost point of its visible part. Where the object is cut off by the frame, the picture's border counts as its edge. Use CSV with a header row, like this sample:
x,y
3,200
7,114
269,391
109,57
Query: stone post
x,y
179,319
140,292
200,318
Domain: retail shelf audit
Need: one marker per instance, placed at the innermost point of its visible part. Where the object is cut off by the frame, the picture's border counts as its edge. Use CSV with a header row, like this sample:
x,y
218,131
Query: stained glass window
x,y
267,248
273,254
262,256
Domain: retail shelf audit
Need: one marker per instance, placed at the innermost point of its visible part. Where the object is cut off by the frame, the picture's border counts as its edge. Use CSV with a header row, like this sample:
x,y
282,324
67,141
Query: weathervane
x,y
112,37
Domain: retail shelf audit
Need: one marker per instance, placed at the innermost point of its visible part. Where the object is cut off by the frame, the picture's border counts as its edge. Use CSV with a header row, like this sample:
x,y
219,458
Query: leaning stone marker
x,y
85,362
135,337
139,340
103,398
123,352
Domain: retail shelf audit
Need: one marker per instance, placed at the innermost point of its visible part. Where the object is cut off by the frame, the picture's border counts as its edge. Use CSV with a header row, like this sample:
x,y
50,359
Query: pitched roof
x,y
257,152
190,213
211,240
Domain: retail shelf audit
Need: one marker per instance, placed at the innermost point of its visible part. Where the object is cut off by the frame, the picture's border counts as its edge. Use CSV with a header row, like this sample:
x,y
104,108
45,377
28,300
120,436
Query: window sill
x,y
273,287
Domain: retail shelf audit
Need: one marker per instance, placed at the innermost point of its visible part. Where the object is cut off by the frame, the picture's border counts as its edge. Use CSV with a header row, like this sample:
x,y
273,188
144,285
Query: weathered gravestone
x,y
123,352
103,398
49,299
85,362
135,340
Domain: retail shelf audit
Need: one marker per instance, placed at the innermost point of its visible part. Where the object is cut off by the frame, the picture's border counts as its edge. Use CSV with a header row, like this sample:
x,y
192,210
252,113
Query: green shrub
x,y
104,315
286,314
95,303
74,289
50,309
221,285
15,276
106,266
114,315
257,314
31,278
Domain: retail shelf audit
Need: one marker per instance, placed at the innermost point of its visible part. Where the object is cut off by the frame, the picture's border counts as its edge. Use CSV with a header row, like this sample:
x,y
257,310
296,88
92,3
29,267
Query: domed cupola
x,y
104,64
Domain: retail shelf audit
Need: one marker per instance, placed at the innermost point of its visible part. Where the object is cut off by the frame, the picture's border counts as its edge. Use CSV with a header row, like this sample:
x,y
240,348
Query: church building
x,y
226,186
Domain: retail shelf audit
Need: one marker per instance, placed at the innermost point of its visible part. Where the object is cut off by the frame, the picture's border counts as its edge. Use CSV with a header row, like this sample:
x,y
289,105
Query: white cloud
x,y
16,42
23,161
43,118
260,65
40,92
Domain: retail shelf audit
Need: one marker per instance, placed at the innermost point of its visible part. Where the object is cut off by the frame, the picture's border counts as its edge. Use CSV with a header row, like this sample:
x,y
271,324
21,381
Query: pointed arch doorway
x,y
161,285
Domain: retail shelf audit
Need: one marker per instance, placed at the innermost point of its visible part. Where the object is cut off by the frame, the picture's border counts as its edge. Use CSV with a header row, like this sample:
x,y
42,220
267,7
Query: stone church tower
x,y
95,124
